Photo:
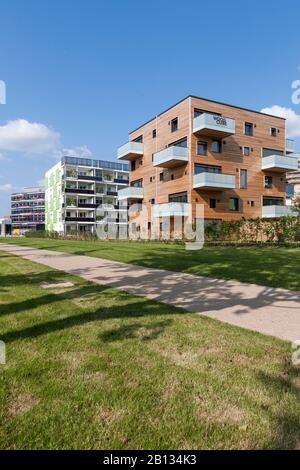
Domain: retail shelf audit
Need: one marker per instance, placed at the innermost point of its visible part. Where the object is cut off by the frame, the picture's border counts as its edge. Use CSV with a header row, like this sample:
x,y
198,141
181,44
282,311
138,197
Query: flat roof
x,y
211,101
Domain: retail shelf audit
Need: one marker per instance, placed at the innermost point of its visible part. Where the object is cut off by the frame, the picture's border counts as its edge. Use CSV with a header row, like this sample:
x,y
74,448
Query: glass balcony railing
x,y
207,180
171,157
131,192
130,151
213,125
279,163
277,211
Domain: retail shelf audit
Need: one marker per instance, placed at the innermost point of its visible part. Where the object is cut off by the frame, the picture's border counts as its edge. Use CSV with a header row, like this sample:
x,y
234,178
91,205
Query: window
x,y
212,203
206,169
137,183
172,177
248,128
198,112
152,201
161,176
268,181
233,204
154,133
243,179
139,139
290,190
252,203
201,148
272,201
246,151
178,197
174,124
268,152
132,165
150,179
216,146
273,131
179,143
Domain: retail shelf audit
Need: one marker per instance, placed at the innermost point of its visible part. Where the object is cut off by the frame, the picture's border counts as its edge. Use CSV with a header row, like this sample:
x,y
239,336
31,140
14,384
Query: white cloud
x,y
28,137
292,119
6,187
80,152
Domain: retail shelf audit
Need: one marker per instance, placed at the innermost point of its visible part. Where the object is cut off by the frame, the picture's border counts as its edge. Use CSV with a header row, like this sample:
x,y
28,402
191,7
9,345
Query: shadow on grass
x,y
136,331
285,424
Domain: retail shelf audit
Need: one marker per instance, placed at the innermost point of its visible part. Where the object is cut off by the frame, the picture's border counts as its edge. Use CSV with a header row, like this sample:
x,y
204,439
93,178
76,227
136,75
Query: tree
x,y
296,205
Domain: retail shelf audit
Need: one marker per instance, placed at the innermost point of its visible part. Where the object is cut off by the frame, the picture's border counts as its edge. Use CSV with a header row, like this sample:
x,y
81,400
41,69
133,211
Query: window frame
x,y
174,123
246,178
219,141
236,199
202,142
247,124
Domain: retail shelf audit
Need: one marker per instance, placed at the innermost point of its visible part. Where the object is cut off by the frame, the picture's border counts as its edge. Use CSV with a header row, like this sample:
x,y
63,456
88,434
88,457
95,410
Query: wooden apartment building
x,y
233,160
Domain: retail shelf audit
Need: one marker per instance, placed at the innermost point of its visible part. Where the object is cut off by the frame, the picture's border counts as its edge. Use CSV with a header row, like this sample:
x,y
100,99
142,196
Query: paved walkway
x,y
271,311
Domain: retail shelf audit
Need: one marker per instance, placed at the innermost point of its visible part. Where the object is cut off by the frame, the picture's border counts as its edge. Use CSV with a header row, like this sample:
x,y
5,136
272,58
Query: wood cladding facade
x,y
231,159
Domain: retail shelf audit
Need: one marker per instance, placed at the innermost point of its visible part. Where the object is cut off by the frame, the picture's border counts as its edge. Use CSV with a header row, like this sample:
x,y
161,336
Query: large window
x,y
233,204
201,148
243,179
268,152
206,169
248,128
178,197
179,143
272,201
198,112
137,183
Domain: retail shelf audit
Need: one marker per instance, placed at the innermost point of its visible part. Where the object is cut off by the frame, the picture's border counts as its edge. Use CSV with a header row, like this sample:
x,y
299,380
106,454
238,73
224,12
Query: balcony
x,y
131,192
217,181
289,145
87,206
89,178
79,219
121,181
171,157
279,163
171,209
130,151
79,191
213,125
112,193
276,211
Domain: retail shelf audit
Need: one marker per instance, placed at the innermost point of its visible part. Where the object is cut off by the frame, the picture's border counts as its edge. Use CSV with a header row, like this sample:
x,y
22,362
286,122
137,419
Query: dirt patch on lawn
x,y
107,415
21,403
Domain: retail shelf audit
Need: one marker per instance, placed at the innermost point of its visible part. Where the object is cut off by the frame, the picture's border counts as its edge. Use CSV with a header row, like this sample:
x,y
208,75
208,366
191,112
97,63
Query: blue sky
x,y
87,72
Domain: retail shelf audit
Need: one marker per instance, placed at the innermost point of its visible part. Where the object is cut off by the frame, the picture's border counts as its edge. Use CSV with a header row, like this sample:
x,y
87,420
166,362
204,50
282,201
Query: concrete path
x,y
271,311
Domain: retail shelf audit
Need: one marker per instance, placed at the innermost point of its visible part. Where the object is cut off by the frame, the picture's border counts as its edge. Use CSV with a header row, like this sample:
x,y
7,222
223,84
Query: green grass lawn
x,y
276,267
92,367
